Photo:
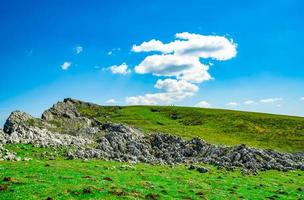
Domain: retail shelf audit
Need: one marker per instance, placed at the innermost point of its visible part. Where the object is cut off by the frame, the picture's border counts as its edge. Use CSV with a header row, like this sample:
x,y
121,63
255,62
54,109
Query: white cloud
x,y
203,104
180,59
66,65
120,69
189,44
158,98
270,100
232,104
110,53
302,98
111,101
175,86
175,90
78,49
250,102
182,67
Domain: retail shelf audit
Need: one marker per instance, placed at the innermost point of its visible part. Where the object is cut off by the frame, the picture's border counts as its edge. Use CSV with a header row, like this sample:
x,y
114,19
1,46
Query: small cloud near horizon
x,y
271,100
203,104
111,101
232,104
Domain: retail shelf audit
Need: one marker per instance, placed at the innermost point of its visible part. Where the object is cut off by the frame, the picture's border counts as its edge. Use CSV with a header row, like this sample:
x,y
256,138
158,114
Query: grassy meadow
x,y
50,176
58,178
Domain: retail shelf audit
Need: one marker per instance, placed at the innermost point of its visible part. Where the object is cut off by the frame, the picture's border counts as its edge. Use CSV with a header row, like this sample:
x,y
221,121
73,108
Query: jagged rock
x,y
167,149
15,120
64,109
68,120
18,130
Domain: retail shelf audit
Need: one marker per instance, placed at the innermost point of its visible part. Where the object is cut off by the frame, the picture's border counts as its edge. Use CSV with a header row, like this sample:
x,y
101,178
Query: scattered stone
x,y
199,169
192,167
202,170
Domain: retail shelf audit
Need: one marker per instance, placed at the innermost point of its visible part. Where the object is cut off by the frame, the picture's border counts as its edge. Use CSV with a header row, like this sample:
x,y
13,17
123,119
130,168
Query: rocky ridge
x,y
64,126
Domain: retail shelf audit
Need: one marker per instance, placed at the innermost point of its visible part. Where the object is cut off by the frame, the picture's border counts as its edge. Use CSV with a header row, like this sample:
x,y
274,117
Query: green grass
x,y
282,133
75,179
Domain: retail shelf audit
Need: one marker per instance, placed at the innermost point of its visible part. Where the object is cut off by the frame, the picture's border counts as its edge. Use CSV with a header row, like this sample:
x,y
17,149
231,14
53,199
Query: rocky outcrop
x,y
68,120
63,125
166,149
18,129
65,109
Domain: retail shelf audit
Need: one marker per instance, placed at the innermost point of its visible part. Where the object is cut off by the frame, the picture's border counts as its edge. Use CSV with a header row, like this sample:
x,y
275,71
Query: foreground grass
x,y
62,179
75,179
282,133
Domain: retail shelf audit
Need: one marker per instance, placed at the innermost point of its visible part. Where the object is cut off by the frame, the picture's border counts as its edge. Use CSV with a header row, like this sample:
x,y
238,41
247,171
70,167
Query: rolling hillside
x,y
283,133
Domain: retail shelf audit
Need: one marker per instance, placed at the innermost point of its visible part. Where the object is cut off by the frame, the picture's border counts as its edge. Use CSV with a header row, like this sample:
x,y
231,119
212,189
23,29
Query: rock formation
x,y
64,126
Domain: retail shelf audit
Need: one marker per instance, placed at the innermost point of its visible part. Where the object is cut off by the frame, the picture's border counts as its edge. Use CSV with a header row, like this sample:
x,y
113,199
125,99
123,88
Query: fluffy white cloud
x,y
180,59
111,101
189,44
249,102
78,49
203,104
302,98
120,69
270,100
232,104
188,68
66,65
175,86
175,90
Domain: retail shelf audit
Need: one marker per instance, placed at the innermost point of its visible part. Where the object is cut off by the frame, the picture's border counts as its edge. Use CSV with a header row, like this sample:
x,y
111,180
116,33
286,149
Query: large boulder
x,y
16,120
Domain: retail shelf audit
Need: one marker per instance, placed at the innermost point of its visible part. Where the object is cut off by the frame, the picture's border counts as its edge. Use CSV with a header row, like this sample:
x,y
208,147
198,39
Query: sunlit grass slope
x,y
283,133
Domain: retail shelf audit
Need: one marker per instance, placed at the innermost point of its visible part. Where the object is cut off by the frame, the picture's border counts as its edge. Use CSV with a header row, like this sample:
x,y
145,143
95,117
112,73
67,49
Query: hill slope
x,y
283,133
66,153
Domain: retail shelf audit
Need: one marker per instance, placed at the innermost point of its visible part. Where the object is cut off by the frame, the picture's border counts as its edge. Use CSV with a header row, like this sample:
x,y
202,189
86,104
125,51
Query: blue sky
x,y
94,39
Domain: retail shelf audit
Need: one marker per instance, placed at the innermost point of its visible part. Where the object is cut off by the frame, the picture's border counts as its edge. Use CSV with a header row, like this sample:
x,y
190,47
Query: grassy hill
x,y
283,133
50,176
